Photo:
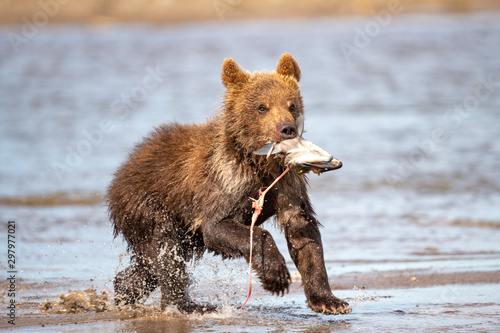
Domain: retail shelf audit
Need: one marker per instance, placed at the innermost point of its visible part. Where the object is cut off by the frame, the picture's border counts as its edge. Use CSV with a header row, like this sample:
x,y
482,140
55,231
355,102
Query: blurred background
x,y
405,93
172,11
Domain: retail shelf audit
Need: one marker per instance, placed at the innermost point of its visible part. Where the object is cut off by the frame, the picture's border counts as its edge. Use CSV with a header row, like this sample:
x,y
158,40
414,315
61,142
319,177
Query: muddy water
x,y
413,116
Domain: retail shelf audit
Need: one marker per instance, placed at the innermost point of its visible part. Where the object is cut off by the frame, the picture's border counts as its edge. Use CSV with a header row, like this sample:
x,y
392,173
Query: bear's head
x,y
261,107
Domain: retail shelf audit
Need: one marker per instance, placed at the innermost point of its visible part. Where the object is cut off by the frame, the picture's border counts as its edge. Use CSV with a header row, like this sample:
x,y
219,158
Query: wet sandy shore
x,y
406,279
367,286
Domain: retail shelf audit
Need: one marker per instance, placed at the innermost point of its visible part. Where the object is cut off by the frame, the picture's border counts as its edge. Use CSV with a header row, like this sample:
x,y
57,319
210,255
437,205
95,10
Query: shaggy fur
x,y
187,188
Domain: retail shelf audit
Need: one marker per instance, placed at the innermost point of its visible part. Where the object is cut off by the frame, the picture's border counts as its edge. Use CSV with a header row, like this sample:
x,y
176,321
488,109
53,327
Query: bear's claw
x,y
331,306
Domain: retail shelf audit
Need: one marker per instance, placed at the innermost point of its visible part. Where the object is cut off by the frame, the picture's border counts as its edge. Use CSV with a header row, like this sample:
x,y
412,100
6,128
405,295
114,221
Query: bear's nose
x,y
288,130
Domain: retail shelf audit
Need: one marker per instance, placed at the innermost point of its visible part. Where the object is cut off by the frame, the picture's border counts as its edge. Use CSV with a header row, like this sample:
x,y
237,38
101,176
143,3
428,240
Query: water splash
x,y
79,301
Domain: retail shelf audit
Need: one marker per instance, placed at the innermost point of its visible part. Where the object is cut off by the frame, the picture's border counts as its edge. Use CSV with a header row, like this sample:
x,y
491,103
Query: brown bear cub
x,y
187,188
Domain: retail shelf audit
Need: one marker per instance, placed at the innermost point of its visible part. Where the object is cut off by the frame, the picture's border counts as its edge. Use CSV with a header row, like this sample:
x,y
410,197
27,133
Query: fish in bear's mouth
x,y
301,155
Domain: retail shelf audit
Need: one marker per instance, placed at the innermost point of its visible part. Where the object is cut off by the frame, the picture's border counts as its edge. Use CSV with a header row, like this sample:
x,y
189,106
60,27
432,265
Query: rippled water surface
x,y
413,115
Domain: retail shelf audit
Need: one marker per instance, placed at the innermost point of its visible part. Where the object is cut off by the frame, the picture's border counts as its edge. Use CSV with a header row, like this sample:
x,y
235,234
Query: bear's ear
x,y
232,74
288,66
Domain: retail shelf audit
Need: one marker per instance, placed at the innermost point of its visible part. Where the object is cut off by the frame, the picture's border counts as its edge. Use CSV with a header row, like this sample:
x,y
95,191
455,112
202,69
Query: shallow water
x,y
404,199
461,308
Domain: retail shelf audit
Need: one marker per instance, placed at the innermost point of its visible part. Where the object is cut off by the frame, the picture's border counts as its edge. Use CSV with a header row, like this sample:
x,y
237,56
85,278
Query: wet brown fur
x,y
187,188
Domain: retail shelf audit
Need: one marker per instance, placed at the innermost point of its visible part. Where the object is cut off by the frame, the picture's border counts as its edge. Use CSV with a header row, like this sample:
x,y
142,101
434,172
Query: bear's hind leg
x,y
174,281
134,283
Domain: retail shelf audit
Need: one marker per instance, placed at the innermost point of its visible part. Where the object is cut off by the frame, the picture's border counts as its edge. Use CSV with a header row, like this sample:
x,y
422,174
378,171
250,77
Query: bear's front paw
x,y
329,305
275,277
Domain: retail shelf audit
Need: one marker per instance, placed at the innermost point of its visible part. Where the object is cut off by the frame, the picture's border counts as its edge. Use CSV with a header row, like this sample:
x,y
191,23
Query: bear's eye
x,y
291,108
262,109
